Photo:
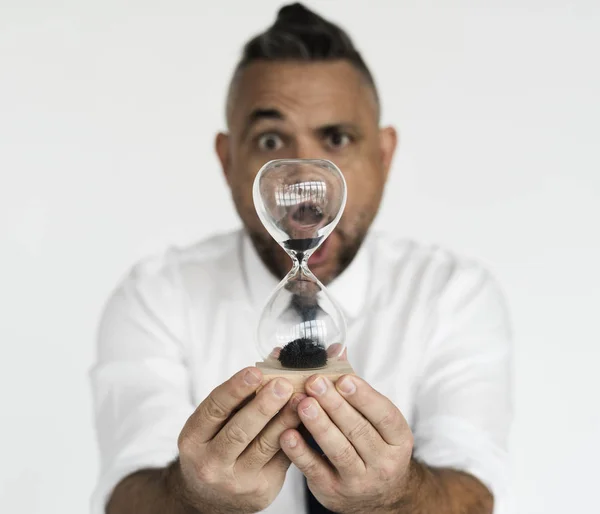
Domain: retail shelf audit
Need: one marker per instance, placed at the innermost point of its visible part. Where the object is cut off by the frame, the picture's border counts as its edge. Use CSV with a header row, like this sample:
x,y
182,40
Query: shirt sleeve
x,y
464,399
140,382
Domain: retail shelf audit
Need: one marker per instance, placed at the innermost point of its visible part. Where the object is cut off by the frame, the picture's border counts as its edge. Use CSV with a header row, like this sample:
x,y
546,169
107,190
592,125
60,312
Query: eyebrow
x,y
261,114
330,128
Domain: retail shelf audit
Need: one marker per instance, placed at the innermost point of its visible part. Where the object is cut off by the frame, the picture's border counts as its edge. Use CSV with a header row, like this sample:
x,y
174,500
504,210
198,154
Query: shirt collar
x,y
349,290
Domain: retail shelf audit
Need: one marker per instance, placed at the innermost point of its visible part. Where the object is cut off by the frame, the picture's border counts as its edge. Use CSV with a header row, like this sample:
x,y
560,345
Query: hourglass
x,y
301,330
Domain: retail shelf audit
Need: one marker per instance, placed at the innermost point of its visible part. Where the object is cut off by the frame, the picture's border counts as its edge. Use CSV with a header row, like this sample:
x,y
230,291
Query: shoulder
x,y
430,274
205,252
169,266
161,281
154,296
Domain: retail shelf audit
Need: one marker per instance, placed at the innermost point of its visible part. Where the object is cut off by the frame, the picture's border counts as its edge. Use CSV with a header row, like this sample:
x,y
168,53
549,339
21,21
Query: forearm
x,y
150,491
445,491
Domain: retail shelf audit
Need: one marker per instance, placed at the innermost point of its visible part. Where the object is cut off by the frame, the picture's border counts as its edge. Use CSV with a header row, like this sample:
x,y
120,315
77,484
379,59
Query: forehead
x,y
314,90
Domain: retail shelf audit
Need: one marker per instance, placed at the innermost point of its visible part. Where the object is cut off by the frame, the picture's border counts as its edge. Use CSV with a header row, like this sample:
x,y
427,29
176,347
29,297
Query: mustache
x,y
263,240
278,263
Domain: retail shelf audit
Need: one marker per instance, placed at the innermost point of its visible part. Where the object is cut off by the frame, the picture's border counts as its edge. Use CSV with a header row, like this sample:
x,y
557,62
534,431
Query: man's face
x,y
307,111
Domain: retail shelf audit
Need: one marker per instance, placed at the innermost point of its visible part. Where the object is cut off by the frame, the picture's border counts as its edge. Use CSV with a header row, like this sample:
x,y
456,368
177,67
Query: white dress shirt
x,y
425,328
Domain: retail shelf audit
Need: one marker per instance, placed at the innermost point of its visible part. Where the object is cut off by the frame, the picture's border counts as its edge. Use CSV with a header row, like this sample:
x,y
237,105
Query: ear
x,y
222,149
388,138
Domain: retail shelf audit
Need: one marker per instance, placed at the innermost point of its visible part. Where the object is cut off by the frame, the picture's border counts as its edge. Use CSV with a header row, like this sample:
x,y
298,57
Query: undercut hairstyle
x,y
299,34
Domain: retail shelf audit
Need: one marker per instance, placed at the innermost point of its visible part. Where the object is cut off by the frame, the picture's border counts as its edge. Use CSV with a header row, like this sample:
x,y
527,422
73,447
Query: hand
x,y
230,459
366,441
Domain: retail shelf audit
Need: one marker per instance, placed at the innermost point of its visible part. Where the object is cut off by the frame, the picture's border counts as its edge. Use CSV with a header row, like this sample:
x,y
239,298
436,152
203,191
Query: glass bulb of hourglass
x,y
300,202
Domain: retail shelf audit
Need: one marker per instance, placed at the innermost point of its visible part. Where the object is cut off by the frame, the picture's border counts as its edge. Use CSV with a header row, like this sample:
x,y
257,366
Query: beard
x,y
279,263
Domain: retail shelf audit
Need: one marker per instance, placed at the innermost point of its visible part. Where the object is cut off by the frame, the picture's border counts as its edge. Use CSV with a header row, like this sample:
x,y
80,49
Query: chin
x,y
325,272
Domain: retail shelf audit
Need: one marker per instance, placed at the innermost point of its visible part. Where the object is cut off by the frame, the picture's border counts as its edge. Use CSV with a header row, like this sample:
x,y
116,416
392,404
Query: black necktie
x,y
308,312
312,504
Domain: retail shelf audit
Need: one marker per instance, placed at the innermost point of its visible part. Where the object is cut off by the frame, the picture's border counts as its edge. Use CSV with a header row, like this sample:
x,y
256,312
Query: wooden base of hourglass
x,y
333,370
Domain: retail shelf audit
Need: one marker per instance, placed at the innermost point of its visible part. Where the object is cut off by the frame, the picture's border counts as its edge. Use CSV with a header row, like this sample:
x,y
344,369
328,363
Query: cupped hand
x,y
366,444
230,458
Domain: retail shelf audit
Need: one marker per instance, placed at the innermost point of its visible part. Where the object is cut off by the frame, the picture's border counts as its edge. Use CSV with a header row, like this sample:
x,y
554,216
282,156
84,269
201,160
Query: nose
x,y
307,148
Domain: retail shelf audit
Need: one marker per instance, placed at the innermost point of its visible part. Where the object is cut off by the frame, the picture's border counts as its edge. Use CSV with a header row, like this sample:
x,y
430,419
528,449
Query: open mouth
x,y
303,224
320,255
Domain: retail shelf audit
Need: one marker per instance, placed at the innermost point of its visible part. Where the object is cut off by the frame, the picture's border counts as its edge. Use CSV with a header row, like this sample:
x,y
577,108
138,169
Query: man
x,y
422,431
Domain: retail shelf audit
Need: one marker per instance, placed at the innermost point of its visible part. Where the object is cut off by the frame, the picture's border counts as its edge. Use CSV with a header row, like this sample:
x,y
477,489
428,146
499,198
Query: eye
x,y
269,142
338,140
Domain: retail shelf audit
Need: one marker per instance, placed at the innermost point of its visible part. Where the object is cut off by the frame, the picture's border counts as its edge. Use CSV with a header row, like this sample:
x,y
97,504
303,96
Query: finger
x,y
333,443
278,464
358,430
248,422
334,351
214,411
344,356
307,460
378,409
266,445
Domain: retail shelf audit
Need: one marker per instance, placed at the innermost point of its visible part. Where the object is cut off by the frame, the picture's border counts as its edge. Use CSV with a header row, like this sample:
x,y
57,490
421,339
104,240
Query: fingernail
x,y
281,389
311,411
251,378
297,399
346,385
318,386
291,442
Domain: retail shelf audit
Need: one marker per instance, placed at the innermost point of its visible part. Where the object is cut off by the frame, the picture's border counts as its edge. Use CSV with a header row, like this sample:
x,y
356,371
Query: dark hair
x,y
300,34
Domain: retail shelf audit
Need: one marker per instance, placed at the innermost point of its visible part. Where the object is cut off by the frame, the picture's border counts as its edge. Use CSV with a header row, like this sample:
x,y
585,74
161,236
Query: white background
x,y
107,116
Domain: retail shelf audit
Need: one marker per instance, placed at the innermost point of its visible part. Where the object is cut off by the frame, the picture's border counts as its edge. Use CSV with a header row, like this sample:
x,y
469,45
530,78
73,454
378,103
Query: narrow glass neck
x,y
300,259
300,268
